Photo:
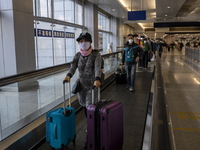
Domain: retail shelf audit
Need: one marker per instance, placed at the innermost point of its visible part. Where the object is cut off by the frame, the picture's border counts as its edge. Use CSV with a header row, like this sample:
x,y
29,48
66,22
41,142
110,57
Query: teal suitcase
x,y
60,125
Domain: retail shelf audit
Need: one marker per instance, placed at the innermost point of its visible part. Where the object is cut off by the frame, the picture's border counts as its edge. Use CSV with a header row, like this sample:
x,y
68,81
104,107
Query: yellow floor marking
x,y
185,113
186,129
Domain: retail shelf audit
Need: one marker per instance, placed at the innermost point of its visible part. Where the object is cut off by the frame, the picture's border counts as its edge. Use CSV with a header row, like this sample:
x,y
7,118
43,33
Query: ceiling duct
x,y
185,29
177,24
162,29
149,29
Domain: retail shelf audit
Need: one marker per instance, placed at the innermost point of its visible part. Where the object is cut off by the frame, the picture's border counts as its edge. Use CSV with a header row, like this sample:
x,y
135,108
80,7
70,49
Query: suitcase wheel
x,y
62,147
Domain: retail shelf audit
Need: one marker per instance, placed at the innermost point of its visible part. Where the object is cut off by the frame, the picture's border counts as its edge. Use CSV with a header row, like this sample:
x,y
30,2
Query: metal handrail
x,y
108,54
31,74
40,72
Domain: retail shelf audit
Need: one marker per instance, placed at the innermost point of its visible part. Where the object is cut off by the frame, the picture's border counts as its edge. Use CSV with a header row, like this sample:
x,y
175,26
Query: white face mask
x,y
84,45
130,41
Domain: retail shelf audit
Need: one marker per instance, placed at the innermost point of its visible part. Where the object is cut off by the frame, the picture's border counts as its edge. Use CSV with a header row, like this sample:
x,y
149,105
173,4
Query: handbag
x,y
76,87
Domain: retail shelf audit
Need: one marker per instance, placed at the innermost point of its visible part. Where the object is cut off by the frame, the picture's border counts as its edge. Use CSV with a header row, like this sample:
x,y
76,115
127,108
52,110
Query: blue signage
x,y
56,34
137,15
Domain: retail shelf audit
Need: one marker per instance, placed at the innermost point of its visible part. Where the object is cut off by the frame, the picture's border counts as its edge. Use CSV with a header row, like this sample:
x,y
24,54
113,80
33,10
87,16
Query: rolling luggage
x,y
120,75
60,125
104,125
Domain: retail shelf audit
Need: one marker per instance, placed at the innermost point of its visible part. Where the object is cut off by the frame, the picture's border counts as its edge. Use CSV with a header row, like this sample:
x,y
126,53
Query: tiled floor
x,y
134,112
182,85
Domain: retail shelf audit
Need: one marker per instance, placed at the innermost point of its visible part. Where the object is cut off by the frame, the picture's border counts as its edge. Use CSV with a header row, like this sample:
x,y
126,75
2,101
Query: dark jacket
x,y
146,47
136,51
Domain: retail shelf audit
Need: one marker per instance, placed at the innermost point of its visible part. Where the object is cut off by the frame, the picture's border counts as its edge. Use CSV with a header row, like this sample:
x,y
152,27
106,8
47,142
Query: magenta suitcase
x,y
105,126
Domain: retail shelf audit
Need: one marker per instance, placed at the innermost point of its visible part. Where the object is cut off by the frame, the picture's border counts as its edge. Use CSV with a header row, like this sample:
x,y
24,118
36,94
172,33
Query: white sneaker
x,y
131,89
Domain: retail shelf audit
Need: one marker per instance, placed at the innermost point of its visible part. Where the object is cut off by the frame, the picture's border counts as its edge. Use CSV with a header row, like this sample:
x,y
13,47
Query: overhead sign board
x,y
137,15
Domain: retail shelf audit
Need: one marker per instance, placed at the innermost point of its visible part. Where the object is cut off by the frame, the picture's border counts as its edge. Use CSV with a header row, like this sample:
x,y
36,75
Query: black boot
x,y
85,146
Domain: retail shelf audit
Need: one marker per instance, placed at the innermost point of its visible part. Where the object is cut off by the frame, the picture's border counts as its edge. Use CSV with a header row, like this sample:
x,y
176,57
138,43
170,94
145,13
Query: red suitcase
x,y
105,125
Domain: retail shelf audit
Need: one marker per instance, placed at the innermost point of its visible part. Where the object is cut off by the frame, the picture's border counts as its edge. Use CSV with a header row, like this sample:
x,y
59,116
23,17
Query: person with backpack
x,y
89,64
131,56
146,49
160,48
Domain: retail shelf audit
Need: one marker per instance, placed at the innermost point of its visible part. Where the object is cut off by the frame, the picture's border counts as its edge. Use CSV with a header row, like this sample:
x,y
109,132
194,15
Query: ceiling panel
x,y
157,10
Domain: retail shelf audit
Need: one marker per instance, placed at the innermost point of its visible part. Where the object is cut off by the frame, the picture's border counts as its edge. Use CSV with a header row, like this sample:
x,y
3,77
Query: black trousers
x,y
145,59
85,111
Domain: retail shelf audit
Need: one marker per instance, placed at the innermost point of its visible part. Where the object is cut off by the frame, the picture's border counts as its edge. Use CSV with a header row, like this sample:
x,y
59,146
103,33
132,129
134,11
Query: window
x,y
64,10
2,73
59,44
103,22
69,11
58,9
42,8
70,44
104,38
55,44
79,13
44,47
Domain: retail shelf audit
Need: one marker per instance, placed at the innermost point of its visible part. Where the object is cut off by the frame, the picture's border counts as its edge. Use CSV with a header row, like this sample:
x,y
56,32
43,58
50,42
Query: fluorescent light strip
x,y
140,24
122,2
145,35
196,81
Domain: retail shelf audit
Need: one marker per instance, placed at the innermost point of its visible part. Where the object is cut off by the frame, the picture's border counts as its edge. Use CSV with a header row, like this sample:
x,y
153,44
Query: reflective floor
x,y
134,112
18,108
182,85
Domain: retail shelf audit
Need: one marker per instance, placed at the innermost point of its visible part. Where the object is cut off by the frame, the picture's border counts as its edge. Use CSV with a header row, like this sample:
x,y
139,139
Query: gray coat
x,y
89,68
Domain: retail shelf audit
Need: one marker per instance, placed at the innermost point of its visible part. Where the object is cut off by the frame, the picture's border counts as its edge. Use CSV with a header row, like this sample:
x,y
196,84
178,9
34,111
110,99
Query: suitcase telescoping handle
x,y
69,89
93,94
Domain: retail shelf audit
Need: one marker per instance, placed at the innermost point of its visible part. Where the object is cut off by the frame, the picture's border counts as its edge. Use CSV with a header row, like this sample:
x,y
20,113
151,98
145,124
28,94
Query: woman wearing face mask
x,y
88,62
131,56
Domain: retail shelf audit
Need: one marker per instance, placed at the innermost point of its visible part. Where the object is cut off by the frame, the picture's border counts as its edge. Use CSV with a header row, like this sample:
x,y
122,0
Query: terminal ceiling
x,y
157,11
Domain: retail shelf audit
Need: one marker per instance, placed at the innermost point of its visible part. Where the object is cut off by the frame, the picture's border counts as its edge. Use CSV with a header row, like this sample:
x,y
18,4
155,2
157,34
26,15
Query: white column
x,y
1,51
17,37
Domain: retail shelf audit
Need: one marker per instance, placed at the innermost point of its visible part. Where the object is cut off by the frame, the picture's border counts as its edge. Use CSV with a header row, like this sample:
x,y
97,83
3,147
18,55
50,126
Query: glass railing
x,y
27,96
193,53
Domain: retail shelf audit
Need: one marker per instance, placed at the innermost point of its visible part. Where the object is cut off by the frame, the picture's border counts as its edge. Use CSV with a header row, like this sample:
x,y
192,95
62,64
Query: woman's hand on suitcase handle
x,y
67,79
97,83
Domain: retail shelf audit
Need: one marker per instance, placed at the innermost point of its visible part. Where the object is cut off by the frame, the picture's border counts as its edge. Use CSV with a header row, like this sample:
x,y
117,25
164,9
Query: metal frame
x,y
1,29
147,140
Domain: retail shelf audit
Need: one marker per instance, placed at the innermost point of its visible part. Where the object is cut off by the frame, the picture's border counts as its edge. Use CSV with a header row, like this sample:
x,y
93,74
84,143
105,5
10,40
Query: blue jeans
x,y
131,72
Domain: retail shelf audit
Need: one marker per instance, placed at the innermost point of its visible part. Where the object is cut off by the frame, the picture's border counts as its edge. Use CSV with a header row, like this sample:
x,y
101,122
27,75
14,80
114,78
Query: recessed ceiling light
x,y
113,9
164,19
168,7
165,15
123,17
